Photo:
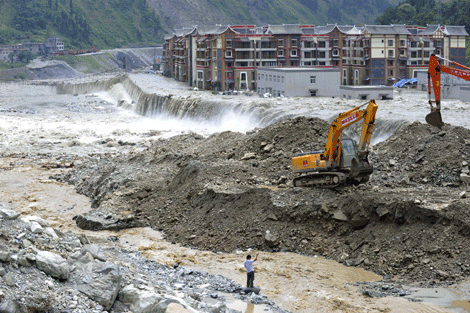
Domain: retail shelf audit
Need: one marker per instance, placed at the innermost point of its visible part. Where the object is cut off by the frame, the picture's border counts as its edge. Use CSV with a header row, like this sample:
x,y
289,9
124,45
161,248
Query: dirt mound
x,y
422,154
230,191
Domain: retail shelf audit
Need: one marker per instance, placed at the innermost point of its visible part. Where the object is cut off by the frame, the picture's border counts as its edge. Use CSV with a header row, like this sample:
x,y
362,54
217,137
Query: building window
x,y
281,42
294,42
335,52
282,77
313,79
390,43
280,53
293,53
390,62
228,53
335,42
390,72
402,43
402,51
228,43
390,53
270,78
259,76
426,44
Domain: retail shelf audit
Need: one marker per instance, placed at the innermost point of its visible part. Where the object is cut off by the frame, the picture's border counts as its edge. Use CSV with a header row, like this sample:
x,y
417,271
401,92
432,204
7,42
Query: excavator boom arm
x,y
345,120
434,83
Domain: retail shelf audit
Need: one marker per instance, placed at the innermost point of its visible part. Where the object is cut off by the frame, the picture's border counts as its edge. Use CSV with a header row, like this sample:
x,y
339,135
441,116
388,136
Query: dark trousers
x,y
250,277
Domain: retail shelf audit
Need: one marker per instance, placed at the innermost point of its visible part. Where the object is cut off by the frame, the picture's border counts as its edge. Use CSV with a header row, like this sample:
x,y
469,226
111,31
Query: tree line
x,y
424,12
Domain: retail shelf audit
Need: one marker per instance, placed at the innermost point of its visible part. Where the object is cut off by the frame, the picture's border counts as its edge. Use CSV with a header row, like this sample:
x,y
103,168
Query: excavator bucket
x,y
434,118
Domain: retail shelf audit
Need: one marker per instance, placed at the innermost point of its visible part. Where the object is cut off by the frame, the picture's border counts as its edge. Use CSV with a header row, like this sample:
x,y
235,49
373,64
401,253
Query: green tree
x,y
405,13
24,56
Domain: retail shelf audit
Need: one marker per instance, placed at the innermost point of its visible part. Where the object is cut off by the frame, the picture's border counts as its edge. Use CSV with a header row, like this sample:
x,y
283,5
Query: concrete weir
x,y
150,104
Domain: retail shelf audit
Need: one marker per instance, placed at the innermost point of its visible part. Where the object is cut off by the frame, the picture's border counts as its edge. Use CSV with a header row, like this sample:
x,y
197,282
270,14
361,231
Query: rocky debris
x,y
382,289
43,273
224,192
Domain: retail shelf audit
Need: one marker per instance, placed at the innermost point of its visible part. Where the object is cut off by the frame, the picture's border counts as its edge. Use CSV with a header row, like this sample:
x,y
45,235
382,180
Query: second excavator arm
x,y
434,82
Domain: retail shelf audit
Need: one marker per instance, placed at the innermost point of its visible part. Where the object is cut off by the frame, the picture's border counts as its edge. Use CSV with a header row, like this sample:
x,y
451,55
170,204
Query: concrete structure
x,y
464,95
451,86
54,45
227,57
298,81
366,92
50,46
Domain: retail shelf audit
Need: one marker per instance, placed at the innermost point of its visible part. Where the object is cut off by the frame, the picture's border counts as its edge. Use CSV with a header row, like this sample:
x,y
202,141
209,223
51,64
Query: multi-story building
x,y
227,57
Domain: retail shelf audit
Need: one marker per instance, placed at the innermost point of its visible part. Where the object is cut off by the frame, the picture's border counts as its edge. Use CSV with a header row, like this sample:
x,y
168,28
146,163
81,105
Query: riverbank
x,y
113,155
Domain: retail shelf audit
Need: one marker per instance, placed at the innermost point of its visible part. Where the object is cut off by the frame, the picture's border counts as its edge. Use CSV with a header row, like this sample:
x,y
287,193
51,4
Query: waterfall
x,y
250,112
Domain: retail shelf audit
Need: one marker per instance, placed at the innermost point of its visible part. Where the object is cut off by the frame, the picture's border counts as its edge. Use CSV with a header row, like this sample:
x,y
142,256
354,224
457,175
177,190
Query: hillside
x,y
187,13
119,23
79,23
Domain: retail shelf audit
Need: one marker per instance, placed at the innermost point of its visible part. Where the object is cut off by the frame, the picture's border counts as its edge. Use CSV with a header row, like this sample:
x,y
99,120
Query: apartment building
x,y
228,57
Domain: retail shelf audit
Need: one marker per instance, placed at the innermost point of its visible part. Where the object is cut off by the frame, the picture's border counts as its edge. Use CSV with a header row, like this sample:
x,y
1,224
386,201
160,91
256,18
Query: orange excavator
x,y
343,161
434,80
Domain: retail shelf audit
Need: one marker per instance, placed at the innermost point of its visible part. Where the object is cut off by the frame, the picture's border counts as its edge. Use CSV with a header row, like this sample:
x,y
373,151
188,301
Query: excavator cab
x,y
348,152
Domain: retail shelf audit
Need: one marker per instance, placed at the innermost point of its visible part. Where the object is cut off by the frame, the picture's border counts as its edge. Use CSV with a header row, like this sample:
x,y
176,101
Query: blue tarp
x,y
402,82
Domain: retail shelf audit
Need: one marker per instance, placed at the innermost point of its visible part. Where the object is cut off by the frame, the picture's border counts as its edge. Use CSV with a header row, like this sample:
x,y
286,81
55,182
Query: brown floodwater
x,y
297,283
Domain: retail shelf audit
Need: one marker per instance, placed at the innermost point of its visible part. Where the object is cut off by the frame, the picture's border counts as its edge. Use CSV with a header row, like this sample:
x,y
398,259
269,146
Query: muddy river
x,y
39,129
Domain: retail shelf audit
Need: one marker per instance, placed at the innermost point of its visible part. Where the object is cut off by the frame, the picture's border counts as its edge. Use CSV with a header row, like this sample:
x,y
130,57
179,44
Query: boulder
x,y
80,257
271,239
340,216
100,282
142,300
36,228
95,251
249,156
52,264
465,178
51,233
176,308
9,214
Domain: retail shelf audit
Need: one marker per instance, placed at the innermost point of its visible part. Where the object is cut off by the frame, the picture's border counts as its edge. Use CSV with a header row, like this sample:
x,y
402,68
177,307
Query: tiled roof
x,y
455,30
185,31
428,30
324,29
387,29
214,30
292,29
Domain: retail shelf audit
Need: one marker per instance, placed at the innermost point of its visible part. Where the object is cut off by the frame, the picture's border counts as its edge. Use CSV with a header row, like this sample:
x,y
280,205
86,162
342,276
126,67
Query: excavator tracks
x,y
326,180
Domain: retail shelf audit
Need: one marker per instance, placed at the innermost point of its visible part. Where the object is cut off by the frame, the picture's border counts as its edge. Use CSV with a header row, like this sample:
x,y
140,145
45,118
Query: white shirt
x,y
249,266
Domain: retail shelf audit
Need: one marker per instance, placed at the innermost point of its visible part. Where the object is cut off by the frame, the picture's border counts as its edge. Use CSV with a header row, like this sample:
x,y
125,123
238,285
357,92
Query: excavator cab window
x,y
348,152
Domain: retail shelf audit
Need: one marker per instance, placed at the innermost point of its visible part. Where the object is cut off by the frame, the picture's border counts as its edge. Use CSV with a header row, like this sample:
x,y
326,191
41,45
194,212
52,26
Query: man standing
x,y
250,272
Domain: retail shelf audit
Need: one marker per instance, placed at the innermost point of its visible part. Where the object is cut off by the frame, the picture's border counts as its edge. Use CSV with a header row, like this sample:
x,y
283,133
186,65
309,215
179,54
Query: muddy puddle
x,y
297,283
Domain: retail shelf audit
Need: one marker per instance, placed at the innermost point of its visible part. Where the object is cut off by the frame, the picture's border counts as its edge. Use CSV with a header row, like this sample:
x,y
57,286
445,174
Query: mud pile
x,y
232,191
